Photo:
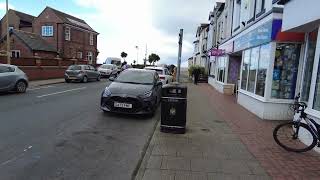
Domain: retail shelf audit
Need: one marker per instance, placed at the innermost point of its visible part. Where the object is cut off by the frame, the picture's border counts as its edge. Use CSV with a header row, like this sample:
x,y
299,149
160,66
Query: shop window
x,y
306,83
316,100
221,70
263,68
253,68
245,69
285,70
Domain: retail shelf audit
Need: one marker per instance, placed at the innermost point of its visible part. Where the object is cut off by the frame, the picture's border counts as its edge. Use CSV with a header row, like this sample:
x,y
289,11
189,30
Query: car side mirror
x,y
159,83
111,79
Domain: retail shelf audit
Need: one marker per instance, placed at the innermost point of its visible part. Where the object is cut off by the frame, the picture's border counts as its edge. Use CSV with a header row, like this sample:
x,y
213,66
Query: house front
x,y
72,37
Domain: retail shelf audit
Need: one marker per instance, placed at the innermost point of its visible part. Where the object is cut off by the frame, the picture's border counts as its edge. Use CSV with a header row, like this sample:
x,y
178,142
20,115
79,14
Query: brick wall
x,y
42,73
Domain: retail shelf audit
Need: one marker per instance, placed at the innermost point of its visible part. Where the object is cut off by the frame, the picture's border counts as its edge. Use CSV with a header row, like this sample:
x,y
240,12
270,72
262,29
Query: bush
x,y
194,67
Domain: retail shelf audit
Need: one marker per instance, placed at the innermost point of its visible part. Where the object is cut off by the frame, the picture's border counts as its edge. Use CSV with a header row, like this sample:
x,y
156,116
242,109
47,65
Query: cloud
x,y
124,24
3,6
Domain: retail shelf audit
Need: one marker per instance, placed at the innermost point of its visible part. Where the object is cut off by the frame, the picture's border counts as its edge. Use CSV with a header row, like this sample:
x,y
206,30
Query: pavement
x,y
223,141
208,150
37,83
57,131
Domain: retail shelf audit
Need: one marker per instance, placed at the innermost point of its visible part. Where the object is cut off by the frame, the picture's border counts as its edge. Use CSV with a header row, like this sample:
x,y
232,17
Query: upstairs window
x,y
91,39
79,55
47,31
260,7
67,34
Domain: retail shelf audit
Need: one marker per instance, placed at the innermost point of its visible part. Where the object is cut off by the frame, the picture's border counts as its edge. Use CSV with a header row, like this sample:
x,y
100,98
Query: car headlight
x,y
106,92
146,94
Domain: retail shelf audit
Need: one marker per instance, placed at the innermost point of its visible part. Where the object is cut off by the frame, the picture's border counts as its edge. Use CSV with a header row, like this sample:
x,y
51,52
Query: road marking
x,y
44,87
45,95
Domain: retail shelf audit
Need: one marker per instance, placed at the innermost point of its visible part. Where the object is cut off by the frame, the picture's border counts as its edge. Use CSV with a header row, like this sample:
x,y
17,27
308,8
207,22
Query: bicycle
x,y
303,132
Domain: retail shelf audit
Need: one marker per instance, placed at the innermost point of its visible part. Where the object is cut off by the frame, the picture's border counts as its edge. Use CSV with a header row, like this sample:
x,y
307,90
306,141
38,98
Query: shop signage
x,y
260,35
217,52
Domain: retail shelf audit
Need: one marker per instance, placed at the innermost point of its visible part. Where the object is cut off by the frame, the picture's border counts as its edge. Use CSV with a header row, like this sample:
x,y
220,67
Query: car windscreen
x,y
136,77
74,67
106,66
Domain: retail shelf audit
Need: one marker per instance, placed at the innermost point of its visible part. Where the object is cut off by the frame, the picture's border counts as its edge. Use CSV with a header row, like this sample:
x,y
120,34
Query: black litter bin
x,y
173,108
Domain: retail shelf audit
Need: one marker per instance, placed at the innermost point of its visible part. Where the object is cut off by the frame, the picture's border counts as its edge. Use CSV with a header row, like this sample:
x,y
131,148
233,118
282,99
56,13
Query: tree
x,y
134,62
124,55
153,58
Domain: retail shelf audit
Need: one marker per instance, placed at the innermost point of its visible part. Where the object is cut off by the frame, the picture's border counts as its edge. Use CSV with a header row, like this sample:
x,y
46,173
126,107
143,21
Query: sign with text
x,y
260,35
217,52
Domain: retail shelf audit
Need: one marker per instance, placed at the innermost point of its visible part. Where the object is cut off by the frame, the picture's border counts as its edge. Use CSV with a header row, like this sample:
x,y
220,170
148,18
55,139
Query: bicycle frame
x,y
314,126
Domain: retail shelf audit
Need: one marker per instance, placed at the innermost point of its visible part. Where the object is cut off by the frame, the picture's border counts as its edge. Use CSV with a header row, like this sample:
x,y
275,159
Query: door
x,y
95,73
7,77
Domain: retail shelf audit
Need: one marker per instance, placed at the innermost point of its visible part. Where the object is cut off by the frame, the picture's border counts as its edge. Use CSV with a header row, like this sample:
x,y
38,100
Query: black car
x,y
135,91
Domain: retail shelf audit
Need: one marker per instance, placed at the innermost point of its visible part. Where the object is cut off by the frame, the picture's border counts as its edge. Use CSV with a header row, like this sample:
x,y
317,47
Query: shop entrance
x,y
234,70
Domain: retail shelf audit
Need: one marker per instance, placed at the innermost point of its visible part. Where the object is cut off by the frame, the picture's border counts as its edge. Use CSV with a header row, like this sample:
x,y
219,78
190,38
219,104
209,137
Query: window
x,y
260,7
47,31
15,53
263,68
253,68
91,39
306,83
89,57
245,69
221,68
252,10
11,28
316,100
285,71
67,34
79,55
92,68
237,13
6,69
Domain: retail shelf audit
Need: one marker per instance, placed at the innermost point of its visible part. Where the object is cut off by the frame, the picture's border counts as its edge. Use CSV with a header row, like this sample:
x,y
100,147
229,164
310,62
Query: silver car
x,y
12,79
108,70
82,73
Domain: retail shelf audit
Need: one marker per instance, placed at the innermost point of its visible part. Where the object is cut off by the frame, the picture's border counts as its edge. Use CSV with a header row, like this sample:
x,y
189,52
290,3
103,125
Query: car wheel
x,y
98,78
21,87
67,80
85,79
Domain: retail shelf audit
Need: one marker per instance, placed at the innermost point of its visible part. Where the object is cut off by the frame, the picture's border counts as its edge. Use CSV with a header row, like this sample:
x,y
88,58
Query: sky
x,y
124,24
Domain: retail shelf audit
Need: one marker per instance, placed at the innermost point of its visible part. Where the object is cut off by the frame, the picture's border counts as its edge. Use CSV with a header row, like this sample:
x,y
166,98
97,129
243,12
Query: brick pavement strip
x,y
256,134
209,150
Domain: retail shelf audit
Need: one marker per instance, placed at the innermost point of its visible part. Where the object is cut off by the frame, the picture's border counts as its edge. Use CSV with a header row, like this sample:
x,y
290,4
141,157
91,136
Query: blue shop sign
x,y
260,35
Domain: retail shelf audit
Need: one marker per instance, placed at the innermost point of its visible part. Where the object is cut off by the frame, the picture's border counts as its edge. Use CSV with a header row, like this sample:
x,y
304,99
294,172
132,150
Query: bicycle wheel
x,y
295,137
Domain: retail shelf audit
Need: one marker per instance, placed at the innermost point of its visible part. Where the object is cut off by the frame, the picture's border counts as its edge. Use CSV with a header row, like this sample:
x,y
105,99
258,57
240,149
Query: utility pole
x,y
137,47
8,33
179,54
145,56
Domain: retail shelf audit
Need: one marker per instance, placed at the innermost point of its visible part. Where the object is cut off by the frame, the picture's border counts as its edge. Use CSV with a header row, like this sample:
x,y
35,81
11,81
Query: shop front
x,y
270,69
223,76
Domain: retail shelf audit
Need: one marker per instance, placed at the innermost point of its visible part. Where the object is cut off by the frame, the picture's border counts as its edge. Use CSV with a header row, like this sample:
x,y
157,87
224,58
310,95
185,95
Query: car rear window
x,y
159,71
73,67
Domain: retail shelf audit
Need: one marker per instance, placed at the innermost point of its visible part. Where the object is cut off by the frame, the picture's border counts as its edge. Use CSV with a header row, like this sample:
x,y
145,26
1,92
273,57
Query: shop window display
x,y
285,70
221,69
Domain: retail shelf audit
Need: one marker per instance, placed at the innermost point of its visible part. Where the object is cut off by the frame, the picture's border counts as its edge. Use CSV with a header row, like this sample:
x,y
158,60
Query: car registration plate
x,y
122,105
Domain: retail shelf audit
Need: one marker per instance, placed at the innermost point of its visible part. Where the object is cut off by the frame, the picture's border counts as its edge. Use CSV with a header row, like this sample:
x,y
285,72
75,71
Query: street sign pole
x,y
179,54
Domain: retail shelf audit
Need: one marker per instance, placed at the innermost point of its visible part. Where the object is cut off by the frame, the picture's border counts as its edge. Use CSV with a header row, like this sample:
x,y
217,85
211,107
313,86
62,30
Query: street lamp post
x,y
8,34
137,47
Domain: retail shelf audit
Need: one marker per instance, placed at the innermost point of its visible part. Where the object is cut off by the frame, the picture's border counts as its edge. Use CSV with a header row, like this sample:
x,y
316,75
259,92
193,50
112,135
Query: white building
x,y
308,23
261,63
200,46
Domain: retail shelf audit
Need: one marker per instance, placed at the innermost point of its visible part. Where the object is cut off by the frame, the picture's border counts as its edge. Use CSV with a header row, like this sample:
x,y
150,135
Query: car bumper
x,y
139,105
73,78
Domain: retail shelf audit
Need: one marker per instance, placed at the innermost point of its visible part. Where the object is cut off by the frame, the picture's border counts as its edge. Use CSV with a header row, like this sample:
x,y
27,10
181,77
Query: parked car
x,y
12,79
108,70
134,91
82,73
164,74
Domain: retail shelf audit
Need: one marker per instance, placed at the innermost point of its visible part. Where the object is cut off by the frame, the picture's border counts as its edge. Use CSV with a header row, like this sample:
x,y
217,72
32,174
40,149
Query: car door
x,y
88,71
7,77
95,73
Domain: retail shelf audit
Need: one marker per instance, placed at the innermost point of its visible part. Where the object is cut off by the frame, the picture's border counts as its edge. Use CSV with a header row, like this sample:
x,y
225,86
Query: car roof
x,y
8,65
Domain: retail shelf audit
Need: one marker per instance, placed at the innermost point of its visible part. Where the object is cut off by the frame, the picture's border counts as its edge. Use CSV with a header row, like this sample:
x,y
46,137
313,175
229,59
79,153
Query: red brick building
x,y
51,34
72,37
28,45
